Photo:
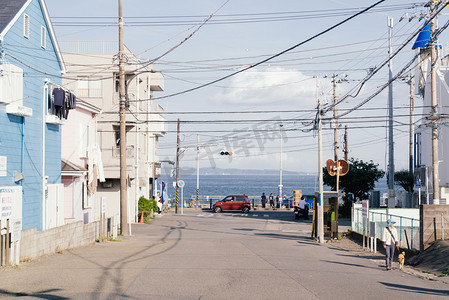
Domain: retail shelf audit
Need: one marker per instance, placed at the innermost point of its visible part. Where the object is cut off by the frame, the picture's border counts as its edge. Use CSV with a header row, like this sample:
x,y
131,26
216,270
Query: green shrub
x,y
147,206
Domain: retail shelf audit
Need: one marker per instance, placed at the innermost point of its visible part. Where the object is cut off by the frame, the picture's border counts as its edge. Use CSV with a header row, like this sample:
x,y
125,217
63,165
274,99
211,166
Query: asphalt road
x,y
201,255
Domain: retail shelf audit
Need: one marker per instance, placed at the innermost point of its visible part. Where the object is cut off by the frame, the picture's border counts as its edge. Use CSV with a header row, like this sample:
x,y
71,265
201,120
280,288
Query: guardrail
x,y
408,228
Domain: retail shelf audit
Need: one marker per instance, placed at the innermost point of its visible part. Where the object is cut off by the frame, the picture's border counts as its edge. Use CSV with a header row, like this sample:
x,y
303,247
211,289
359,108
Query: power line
x,y
274,56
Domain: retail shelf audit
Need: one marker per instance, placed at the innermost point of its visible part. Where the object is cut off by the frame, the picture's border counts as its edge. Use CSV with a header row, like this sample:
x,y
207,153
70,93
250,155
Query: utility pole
x,y
280,170
434,113
391,194
410,162
177,167
334,84
197,168
320,221
124,228
346,143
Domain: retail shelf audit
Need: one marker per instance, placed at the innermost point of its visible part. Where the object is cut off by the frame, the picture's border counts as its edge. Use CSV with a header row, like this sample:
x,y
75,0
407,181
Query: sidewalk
x,y
356,247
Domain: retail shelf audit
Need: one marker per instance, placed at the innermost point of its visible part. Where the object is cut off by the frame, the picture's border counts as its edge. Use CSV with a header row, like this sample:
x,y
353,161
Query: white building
x,y
92,70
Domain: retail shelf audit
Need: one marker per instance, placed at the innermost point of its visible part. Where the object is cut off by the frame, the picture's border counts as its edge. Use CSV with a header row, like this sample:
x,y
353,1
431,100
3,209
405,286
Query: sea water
x,y
218,186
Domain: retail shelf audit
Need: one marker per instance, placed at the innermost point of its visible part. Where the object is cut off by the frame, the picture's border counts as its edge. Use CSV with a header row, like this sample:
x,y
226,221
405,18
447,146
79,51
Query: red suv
x,y
233,202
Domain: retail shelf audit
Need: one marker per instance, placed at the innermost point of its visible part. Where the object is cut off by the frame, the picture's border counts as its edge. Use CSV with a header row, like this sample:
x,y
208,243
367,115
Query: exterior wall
x,y
68,196
430,221
22,137
34,244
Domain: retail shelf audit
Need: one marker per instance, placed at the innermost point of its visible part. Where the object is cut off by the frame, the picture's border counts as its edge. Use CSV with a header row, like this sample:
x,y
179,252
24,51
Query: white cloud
x,y
270,86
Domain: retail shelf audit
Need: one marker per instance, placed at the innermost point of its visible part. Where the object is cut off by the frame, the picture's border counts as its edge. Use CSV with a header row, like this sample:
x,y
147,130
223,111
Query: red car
x,y
233,202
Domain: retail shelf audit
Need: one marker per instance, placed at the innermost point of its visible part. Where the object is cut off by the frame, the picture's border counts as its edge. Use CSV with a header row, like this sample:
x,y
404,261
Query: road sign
x,y
365,208
332,167
181,183
418,182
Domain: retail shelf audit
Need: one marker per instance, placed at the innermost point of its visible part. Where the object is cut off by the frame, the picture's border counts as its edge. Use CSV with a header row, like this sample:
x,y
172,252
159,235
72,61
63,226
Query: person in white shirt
x,y
304,208
390,239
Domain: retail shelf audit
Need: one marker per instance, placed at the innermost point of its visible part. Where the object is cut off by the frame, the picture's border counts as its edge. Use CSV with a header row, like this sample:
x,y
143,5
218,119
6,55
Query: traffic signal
x,y
225,153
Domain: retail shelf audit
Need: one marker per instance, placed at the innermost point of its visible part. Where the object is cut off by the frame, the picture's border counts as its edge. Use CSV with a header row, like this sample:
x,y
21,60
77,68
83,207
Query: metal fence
x,y
408,228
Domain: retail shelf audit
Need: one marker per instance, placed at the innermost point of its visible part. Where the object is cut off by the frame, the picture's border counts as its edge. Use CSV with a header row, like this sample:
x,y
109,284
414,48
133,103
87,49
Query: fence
x,y
408,227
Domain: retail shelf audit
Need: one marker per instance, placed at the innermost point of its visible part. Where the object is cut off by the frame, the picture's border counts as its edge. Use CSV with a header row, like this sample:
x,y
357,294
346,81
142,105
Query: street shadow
x,y
349,264
42,294
303,240
113,271
362,256
244,229
415,289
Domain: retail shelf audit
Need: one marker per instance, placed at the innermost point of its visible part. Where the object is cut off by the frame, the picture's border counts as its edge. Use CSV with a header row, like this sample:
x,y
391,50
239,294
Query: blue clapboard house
x,y
30,131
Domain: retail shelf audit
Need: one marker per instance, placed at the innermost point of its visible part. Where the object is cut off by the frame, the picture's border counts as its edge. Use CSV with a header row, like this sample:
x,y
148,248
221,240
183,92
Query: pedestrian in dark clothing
x,y
271,198
264,200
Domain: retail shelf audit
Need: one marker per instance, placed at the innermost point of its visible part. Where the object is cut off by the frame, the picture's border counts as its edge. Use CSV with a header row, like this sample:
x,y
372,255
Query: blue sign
x,y
418,183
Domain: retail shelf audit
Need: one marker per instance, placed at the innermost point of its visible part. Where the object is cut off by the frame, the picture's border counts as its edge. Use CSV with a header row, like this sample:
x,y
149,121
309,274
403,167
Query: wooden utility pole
x,y
334,83
124,228
177,167
410,162
434,113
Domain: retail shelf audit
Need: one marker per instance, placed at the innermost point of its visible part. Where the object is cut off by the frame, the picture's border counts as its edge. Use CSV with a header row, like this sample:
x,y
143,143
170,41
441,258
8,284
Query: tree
x,y
405,179
360,179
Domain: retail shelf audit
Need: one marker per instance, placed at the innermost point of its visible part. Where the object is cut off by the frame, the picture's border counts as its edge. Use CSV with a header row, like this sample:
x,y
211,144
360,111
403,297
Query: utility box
x,y
330,214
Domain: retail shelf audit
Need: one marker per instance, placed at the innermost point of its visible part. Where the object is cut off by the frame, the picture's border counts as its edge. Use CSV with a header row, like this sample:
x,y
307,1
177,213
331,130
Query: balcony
x,y
129,152
157,122
156,81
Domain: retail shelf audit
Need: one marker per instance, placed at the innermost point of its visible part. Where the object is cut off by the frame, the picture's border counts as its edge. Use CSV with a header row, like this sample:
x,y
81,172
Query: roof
x,y
67,166
8,10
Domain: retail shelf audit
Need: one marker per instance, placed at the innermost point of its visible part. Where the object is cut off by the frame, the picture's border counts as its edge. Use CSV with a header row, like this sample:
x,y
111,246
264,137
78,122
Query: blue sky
x,y
283,84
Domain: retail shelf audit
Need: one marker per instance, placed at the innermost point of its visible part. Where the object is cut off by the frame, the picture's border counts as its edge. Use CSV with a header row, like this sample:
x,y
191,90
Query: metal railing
x,y
408,228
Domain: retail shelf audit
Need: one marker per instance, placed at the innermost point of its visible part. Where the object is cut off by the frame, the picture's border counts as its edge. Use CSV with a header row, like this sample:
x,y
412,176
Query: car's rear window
x,y
240,198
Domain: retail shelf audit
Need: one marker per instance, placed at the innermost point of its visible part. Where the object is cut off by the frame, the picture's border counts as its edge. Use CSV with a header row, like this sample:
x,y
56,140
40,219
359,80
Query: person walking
x,y
390,239
271,198
264,200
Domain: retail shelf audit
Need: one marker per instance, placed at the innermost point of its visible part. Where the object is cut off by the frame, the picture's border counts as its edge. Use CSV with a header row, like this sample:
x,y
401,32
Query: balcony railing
x,y
129,152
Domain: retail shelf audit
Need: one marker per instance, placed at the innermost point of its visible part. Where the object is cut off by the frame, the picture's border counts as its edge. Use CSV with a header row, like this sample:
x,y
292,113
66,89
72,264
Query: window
x,y
89,87
11,84
26,26
43,37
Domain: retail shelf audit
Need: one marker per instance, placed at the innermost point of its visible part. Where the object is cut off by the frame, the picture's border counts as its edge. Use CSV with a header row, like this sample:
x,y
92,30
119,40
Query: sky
x,y
243,114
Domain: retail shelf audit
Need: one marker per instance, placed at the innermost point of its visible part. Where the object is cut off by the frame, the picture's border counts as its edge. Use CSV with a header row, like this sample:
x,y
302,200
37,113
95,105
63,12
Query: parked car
x,y
233,202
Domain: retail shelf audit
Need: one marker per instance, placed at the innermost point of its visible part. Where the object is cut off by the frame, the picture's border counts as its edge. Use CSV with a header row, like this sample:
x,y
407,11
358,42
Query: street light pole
x,y
320,220
391,194
124,227
280,170
197,168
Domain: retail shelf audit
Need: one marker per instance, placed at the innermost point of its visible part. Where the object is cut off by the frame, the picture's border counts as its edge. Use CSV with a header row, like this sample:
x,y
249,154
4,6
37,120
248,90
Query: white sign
x,y
6,204
103,205
365,208
181,183
16,230
3,166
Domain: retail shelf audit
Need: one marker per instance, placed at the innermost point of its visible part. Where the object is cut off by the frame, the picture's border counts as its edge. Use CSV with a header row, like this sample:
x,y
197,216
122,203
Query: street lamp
x,y
280,191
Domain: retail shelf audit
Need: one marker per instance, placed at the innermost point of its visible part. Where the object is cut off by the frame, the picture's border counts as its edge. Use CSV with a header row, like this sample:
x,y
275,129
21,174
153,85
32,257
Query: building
x,y
30,139
81,164
92,70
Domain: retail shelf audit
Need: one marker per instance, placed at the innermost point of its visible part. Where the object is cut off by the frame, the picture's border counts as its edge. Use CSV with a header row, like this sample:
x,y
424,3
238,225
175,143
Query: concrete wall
x,y
34,244
430,219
